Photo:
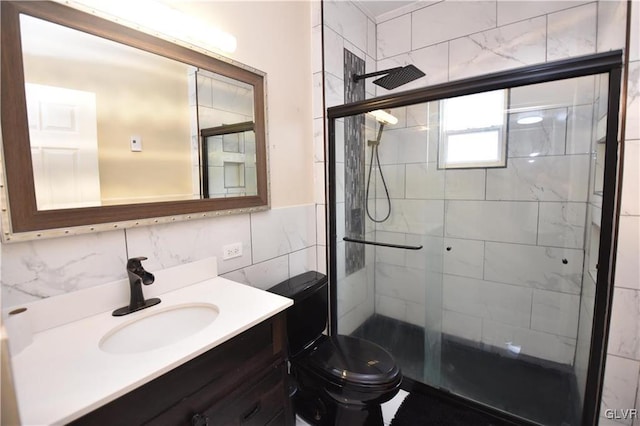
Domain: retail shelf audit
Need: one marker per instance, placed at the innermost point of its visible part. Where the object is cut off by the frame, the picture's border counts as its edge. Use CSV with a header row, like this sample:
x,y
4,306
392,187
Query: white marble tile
x,y
463,257
413,216
391,307
624,334
319,184
417,115
579,124
515,222
512,11
281,231
317,95
400,282
555,313
504,303
321,224
627,266
321,259
302,261
583,347
43,268
557,178
424,181
429,257
316,12
318,140
562,224
634,43
612,16
333,53
371,38
388,255
461,325
353,319
394,37
534,266
631,179
339,142
620,385
177,243
569,92
449,20
263,275
534,343
352,290
544,138
339,183
511,46
348,21
572,32
394,178
465,184
633,102
333,91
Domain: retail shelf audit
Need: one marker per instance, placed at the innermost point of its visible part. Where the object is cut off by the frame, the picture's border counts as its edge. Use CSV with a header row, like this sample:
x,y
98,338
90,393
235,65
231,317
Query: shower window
x,y
473,129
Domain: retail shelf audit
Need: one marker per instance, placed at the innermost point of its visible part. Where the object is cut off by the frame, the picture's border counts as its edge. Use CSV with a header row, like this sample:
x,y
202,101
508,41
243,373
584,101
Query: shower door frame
x,y
602,63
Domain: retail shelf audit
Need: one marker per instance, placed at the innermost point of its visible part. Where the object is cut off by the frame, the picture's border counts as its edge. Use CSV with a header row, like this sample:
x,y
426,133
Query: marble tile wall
x,y
276,244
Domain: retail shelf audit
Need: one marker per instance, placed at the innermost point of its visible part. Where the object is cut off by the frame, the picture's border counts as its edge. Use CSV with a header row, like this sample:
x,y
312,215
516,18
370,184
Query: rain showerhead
x,y
394,77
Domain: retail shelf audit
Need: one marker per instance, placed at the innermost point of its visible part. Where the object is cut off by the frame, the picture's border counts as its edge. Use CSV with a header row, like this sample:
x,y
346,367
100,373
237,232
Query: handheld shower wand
x,y
383,118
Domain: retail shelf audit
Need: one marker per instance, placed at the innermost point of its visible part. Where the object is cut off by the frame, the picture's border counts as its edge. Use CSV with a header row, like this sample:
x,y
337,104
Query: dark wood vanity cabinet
x,y
240,382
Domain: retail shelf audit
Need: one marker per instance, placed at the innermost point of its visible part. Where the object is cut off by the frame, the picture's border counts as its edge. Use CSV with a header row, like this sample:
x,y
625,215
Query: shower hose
x,y
374,153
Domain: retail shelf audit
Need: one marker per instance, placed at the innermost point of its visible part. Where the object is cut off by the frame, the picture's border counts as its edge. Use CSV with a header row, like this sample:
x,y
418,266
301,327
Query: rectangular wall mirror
x,y
104,126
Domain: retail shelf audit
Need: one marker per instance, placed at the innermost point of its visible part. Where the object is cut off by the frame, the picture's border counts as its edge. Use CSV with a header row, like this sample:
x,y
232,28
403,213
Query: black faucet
x,y
137,275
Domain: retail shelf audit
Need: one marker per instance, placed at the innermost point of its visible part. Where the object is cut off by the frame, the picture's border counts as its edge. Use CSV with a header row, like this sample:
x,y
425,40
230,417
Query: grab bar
x,y
376,243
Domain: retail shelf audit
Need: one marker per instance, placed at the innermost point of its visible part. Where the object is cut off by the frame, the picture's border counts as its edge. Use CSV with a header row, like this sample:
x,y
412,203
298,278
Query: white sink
x,y
159,328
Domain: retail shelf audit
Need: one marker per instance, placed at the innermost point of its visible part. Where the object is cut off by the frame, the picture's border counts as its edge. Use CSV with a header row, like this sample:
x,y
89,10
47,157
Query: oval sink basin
x,y
159,329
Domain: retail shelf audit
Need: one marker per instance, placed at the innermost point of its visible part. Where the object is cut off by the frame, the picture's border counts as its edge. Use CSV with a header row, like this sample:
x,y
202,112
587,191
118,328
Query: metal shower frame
x,y
603,63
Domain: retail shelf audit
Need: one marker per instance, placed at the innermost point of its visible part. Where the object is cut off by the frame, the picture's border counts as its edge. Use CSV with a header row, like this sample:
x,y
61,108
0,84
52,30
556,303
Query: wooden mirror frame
x,y
23,214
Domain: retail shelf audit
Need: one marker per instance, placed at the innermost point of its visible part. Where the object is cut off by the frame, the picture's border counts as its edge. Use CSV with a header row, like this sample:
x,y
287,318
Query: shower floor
x,y
536,391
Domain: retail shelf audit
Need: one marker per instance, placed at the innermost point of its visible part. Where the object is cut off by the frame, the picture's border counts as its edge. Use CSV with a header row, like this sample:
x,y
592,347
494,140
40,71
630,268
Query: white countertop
x,y
64,374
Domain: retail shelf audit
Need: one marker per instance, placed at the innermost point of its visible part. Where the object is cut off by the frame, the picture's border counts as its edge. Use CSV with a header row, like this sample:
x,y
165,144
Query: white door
x,y
64,146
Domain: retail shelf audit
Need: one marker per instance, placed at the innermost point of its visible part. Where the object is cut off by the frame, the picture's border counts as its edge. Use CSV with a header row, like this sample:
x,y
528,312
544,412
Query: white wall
x,y
275,38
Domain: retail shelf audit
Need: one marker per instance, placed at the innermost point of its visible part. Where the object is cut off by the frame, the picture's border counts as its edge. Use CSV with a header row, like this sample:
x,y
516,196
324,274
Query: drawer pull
x,y
252,412
199,420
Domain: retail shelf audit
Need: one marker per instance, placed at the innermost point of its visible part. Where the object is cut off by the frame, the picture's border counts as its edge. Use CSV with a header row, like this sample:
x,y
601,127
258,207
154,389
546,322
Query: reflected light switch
x,y
136,143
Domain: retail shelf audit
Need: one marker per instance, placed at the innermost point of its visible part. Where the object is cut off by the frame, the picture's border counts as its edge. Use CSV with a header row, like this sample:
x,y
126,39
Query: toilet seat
x,y
354,364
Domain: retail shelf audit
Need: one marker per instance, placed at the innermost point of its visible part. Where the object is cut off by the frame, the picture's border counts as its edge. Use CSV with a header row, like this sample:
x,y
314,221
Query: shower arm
x,y
358,77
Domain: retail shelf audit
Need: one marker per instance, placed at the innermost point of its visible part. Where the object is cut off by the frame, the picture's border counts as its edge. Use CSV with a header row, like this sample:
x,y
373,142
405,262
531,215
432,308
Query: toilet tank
x,y
307,318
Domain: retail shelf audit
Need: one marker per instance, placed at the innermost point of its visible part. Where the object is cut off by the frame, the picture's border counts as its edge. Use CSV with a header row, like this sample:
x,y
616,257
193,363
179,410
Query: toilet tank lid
x,y
299,285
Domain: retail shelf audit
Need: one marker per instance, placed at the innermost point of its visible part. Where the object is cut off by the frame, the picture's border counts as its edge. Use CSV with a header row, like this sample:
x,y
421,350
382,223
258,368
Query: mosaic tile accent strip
x,y
354,164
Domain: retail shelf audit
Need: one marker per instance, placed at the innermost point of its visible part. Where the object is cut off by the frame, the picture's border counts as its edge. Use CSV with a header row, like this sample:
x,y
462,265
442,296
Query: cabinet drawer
x,y
255,405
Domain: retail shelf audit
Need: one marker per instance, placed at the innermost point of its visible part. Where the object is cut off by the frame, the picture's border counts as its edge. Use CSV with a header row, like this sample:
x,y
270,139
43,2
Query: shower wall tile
x,y
611,17
281,231
627,265
555,313
544,138
534,266
429,257
465,257
620,382
562,224
347,20
371,38
558,178
388,255
425,181
334,91
333,42
417,115
352,290
572,32
515,222
449,20
577,91
318,109
512,11
321,260
503,303
318,140
632,131
353,319
394,37
465,326
340,221
533,343
400,282
510,46
413,216
394,177
402,310
624,337
321,224
465,184
631,179
579,129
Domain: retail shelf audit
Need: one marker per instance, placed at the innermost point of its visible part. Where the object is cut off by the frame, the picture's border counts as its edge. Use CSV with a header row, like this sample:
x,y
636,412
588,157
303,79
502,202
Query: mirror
x,y
106,126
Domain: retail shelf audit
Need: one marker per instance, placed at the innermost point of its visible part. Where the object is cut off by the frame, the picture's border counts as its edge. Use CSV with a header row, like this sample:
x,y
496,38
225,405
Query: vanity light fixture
x,y
163,20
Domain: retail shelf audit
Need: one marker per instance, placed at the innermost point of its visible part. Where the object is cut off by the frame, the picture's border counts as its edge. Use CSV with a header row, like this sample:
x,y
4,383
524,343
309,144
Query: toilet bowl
x,y
341,380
